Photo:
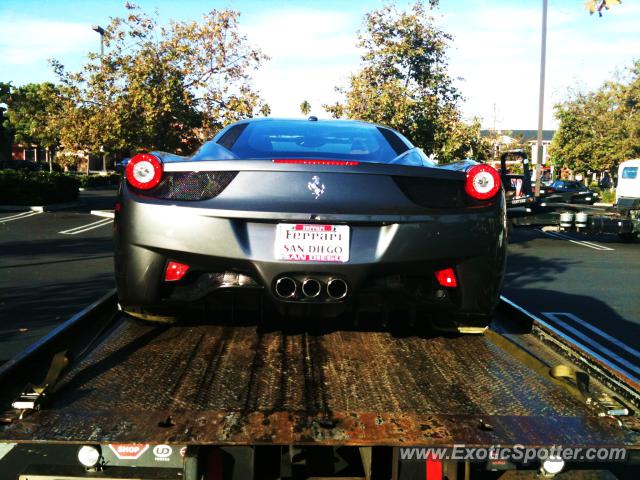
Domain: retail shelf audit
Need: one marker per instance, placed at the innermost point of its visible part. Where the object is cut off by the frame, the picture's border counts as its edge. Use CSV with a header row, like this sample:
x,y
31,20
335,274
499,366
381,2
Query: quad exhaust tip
x,y
286,287
337,288
311,288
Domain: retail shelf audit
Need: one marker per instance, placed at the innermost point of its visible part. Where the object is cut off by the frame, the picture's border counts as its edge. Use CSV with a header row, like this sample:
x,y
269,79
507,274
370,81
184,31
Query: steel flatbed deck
x,y
202,383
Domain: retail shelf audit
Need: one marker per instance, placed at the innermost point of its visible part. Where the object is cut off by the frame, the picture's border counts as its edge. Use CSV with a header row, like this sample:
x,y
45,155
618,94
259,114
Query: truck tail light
x,y
433,469
447,278
483,182
144,171
175,271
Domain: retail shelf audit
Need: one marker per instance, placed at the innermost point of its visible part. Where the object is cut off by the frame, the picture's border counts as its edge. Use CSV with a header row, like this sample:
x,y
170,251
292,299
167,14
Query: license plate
x,y
516,201
297,242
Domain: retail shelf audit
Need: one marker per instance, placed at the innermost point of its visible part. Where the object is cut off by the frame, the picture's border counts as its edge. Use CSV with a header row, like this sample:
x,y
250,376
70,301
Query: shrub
x,y
606,195
99,181
36,188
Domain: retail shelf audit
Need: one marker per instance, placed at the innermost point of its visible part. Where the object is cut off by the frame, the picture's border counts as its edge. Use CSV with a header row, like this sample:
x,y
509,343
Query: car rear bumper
x,y
392,259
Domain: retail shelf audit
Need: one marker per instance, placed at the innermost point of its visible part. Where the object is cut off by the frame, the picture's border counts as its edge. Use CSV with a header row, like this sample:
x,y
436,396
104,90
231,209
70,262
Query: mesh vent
x,y
432,193
192,186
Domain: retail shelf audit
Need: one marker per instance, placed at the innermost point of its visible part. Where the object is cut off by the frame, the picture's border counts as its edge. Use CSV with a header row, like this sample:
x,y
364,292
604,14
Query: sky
x,y
495,51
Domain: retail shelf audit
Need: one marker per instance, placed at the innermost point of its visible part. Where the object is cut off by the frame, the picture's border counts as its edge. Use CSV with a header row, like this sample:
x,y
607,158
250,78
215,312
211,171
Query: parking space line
x,y
18,216
584,243
597,331
629,367
85,228
5,448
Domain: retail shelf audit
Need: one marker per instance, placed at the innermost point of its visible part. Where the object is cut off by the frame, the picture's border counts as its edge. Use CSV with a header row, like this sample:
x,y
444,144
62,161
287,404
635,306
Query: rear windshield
x,y
630,172
308,139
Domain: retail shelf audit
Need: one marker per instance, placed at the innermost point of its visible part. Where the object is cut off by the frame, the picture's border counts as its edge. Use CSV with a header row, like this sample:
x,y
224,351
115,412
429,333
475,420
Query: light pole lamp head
x,y
98,29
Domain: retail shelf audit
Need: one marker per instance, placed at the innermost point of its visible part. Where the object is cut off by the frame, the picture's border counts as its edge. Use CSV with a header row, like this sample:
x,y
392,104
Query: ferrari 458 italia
x,y
318,217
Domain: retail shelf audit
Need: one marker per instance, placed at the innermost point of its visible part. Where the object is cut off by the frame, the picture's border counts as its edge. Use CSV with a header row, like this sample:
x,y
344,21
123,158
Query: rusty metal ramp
x,y
224,384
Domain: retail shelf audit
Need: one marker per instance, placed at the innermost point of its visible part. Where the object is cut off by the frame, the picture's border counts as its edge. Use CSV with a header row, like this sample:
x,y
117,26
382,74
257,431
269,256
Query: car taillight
x,y
144,171
309,161
483,182
447,278
175,271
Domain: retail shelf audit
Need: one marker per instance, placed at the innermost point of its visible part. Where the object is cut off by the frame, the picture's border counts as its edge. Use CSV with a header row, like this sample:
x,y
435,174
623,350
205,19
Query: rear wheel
x,y
628,237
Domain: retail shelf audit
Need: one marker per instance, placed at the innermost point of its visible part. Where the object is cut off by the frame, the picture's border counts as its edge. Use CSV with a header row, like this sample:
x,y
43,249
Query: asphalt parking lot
x,y
584,285
53,264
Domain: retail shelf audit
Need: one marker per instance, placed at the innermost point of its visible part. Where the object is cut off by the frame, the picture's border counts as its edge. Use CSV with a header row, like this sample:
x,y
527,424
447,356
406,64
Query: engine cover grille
x,y
192,186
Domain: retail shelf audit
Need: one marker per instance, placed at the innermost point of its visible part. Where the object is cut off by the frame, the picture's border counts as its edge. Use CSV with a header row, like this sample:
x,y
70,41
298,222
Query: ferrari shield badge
x,y
315,187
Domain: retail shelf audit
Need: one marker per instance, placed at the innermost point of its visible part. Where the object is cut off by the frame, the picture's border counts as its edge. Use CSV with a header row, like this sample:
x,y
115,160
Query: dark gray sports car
x,y
317,216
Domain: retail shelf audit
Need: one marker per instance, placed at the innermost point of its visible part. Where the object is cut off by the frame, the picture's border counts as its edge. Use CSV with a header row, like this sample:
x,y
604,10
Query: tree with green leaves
x,y
29,112
159,87
32,113
599,129
6,133
305,108
404,82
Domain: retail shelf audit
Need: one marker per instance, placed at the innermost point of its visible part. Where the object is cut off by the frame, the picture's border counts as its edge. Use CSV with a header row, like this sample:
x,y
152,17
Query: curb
x,y
39,208
103,213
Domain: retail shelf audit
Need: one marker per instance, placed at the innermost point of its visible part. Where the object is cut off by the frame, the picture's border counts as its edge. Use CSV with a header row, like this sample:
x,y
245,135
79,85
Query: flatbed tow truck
x,y
246,397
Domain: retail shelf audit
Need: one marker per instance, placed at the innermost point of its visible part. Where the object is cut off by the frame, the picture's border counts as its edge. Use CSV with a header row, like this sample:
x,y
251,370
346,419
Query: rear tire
x,y
628,237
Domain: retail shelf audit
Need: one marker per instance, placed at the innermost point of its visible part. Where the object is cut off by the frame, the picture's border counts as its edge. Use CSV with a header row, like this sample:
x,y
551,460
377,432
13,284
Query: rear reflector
x,y
447,278
307,161
175,271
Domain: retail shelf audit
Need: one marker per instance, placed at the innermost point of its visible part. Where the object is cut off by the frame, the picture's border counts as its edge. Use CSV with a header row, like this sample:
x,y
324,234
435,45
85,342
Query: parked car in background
x,y
569,191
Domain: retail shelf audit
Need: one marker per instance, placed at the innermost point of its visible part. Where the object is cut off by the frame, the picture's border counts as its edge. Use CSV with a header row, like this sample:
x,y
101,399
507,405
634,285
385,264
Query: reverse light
x,y
483,182
144,171
447,278
308,161
175,271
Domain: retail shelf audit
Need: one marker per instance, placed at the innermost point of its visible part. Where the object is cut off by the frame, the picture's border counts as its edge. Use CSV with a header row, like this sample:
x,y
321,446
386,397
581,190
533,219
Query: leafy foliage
x,y
305,107
404,82
31,113
19,187
599,129
99,181
159,87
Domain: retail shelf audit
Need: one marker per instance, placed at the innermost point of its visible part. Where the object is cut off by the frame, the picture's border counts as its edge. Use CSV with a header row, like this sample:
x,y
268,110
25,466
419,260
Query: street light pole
x,y
543,59
98,29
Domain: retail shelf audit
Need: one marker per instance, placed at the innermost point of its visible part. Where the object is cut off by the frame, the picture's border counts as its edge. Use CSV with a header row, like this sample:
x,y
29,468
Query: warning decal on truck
x,y
128,451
